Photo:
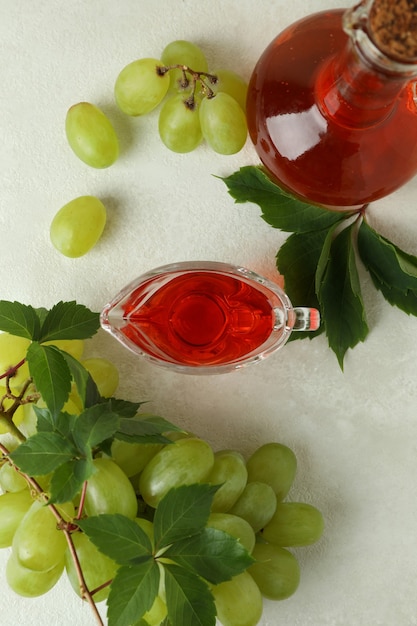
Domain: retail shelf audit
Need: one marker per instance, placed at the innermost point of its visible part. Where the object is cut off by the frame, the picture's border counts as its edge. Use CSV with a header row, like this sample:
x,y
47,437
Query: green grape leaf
x,y
125,408
212,554
132,593
118,537
182,512
407,301
94,425
67,480
340,296
19,319
145,429
279,209
386,261
86,387
43,453
50,373
45,422
188,598
69,320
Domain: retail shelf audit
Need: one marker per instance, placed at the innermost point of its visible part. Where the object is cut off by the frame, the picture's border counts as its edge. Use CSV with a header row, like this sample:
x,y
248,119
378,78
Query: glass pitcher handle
x,y
306,318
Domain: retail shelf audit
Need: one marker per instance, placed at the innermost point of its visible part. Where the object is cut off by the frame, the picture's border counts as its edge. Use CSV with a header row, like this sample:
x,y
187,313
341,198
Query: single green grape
x,y
182,52
133,457
233,525
74,347
229,471
10,479
223,123
256,505
91,135
97,568
13,350
274,464
157,613
31,583
104,373
13,508
276,571
238,601
184,462
231,83
294,524
109,491
139,88
179,125
147,526
37,543
78,225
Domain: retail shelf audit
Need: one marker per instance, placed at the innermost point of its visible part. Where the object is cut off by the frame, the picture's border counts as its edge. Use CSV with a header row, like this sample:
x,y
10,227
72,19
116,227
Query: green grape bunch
x,y
131,509
196,106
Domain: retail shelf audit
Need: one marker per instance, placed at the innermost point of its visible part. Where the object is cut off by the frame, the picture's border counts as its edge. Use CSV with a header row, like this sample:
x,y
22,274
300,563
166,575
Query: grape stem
x,y
202,78
68,528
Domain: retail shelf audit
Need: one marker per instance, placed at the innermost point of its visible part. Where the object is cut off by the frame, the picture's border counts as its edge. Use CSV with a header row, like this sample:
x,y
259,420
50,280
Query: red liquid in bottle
x,y
197,318
329,128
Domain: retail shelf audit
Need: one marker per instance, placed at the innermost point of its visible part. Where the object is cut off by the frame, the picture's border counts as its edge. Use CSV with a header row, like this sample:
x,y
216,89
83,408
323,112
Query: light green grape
x,y
276,571
30,583
294,524
13,508
181,52
147,526
256,505
231,83
238,601
274,464
78,225
97,568
229,471
184,462
104,373
13,350
139,88
37,542
11,480
157,613
233,525
223,124
132,457
179,125
109,491
91,135
74,347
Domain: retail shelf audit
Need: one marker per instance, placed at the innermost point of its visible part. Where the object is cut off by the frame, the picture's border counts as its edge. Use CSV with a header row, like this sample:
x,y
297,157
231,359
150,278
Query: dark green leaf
x,y
279,209
407,301
69,320
182,512
118,537
68,479
51,375
45,421
340,297
64,424
94,425
145,429
42,453
189,600
212,554
19,319
387,262
125,408
86,387
132,593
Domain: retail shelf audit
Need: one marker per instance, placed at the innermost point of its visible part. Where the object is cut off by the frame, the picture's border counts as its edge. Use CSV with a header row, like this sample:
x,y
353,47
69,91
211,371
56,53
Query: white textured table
x,y
354,433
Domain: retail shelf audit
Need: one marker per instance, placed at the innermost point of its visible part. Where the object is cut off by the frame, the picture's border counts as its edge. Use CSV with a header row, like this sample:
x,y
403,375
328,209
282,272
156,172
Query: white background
x,y
354,433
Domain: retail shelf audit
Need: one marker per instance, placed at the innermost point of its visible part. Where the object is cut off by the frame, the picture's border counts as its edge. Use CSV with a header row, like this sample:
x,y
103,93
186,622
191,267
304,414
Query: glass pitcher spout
x,y
306,319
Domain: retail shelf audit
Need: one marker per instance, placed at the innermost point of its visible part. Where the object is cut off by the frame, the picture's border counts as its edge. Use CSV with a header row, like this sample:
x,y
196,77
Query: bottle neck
x,y
359,87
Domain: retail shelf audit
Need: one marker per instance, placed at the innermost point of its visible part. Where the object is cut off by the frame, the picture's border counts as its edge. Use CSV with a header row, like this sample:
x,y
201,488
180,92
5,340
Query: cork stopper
x,y
393,27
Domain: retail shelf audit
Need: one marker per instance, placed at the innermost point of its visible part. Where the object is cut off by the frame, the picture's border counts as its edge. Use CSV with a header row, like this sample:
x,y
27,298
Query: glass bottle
x,y
331,113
